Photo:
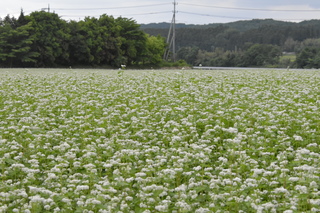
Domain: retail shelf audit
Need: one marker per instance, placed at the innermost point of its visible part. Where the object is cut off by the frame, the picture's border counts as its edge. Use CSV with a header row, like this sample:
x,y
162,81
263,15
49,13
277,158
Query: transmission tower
x,y
171,39
48,9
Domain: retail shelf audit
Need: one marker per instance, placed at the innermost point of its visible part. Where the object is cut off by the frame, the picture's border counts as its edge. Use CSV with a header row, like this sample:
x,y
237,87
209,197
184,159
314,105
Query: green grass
x,y
289,57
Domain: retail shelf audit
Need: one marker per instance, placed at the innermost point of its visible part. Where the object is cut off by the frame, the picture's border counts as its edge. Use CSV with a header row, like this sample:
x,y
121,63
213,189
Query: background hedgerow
x,y
159,141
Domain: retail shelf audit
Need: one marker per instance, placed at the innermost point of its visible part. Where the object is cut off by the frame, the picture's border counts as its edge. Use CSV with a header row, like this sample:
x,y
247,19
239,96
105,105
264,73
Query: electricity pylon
x,y
171,39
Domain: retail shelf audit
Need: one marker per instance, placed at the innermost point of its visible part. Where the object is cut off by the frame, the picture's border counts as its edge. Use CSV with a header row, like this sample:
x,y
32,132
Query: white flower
x,y
129,198
176,138
305,168
102,130
141,174
257,172
303,151
66,200
198,168
82,187
298,138
52,176
93,201
301,189
183,205
37,198
230,130
294,179
314,202
202,210
161,208
80,203
313,184
281,190
181,188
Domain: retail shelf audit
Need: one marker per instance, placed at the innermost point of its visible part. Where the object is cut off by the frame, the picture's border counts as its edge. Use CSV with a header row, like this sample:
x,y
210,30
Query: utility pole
x,y
171,39
174,31
48,9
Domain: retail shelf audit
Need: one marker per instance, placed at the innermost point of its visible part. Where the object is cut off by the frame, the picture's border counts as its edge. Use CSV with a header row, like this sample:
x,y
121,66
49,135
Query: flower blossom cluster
x,y
159,141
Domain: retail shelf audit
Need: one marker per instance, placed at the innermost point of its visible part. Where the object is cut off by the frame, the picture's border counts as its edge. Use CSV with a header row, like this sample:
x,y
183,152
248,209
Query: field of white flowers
x,y
159,141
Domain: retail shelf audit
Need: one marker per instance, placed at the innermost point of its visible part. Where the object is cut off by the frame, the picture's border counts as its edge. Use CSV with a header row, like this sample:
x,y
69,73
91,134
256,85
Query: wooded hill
x,y
238,25
236,38
236,34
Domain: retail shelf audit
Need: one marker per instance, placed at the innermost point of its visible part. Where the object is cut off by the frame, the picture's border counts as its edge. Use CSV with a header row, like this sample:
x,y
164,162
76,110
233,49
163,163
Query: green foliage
x,y
189,54
309,57
261,55
220,58
133,40
256,55
178,64
227,44
51,39
235,34
155,48
15,43
287,60
80,53
43,39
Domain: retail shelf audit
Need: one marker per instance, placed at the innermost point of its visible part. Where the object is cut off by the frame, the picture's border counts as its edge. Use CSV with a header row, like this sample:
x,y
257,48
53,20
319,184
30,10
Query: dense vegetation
x,y
43,39
159,141
246,43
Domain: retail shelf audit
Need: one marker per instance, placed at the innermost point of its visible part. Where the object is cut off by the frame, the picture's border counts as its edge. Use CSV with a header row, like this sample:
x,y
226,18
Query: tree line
x,y
248,43
43,39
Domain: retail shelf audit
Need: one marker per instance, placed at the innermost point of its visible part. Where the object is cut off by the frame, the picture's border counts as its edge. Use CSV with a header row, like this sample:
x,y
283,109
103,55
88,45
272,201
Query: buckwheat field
x,y
159,141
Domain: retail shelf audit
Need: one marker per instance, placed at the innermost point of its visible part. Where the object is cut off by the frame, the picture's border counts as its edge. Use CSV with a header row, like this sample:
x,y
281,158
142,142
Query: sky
x,y
156,11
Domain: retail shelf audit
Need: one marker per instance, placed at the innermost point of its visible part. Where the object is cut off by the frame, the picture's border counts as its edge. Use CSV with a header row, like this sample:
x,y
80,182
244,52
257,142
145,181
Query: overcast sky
x,y
188,11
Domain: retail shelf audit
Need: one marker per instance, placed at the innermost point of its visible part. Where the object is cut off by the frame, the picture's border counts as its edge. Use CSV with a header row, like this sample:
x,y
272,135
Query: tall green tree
x,y
6,32
261,55
155,48
133,40
80,44
16,40
309,57
9,21
111,47
43,39
51,40
189,54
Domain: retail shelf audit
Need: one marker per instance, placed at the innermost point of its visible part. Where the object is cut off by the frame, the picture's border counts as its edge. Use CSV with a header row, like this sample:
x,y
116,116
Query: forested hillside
x,y
43,39
234,44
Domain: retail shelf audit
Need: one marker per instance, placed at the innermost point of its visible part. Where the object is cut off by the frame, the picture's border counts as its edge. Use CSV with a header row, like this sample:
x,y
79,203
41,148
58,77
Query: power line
x,y
255,9
112,8
232,17
216,16
175,11
137,14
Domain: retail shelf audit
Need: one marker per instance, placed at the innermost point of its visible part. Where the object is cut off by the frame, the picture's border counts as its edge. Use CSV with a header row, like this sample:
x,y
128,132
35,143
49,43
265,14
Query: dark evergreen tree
x,y
15,45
